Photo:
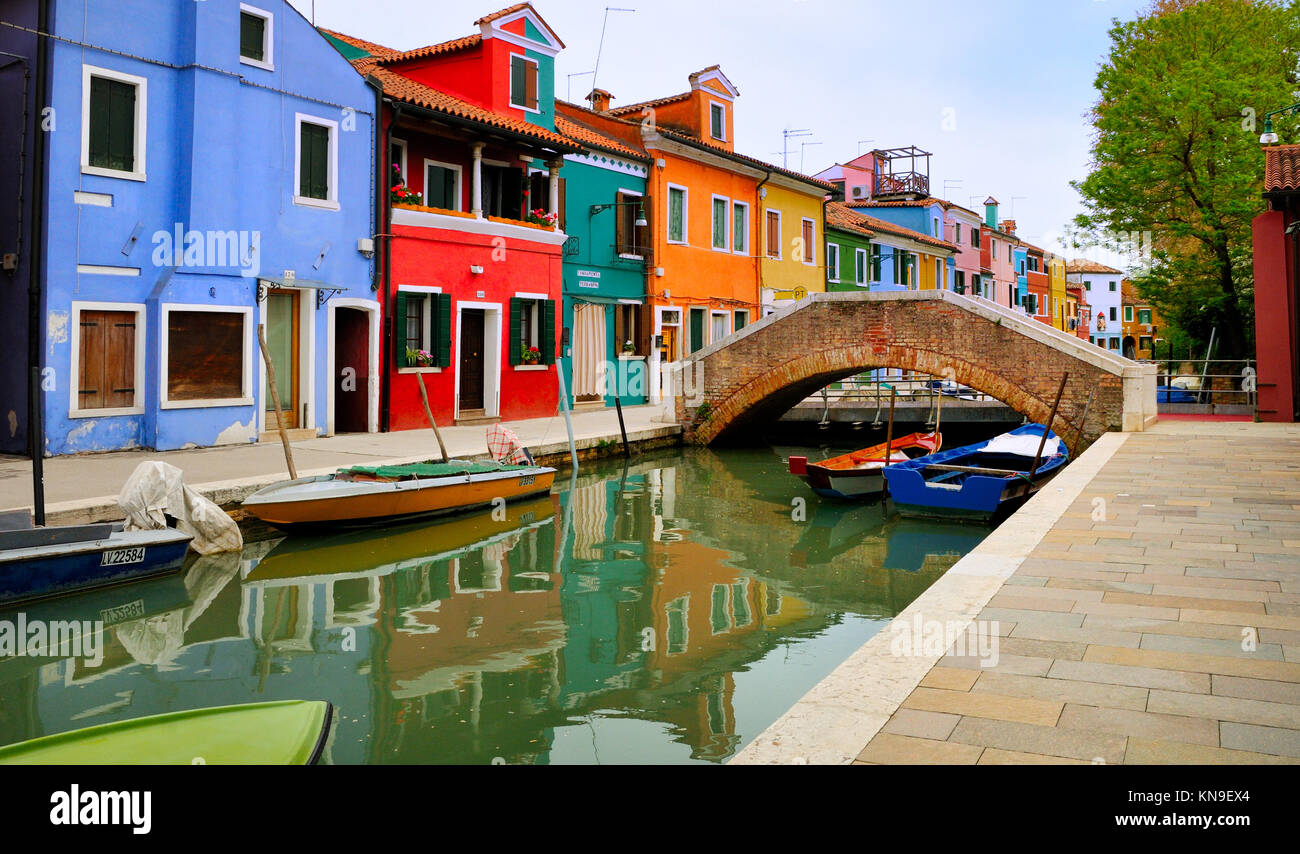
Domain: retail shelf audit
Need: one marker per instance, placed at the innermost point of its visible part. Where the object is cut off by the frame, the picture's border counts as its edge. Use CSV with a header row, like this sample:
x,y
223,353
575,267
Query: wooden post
x,y
424,398
938,409
889,432
36,429
275,399
1048,427
618,405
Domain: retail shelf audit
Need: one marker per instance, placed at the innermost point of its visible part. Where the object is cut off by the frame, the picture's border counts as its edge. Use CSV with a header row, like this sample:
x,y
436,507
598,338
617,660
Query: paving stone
x,y
985,705
952,678
1255,689
1138,677
1042,740
1025,581
996,756
1145,751
1016,600
1183,601
1138,612
1066,690
1261,739
1021,615
1091,584
1160,659
921,724
1070,634
1162,627
1224,708
1025,665
1236,618
890,749
1038,647
1128,722
1210,646
1205,583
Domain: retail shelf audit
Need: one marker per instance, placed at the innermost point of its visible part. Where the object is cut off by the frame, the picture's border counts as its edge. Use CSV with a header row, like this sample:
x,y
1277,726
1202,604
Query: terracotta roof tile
x,y
591,137
509,10
640,105
745,158
838,212
839,216
1080,265
1282,168
375,50
427,51
914,203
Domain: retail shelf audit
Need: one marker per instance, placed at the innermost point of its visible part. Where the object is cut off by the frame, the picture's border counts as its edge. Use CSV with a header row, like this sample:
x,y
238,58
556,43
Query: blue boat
x,y
37,562
975,481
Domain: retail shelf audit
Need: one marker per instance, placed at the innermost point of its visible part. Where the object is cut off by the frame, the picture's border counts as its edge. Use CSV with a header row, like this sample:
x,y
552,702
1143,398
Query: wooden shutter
x,y
252,29
516,331
643,242
442,329
620,225
773,234
547,344
313,166
399,330
530,76
645,330
106,373
91,370
809,249
112,124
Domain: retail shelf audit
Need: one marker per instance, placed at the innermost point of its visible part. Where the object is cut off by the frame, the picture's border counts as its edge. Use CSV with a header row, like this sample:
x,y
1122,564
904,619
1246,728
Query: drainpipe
x,y
761,216
384,219
36,441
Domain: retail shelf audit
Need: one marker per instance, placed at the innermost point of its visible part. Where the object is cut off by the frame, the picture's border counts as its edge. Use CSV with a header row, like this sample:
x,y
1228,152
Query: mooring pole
x,y
618,405
275,399
889,432
568,420
36,429
428,411
1048,427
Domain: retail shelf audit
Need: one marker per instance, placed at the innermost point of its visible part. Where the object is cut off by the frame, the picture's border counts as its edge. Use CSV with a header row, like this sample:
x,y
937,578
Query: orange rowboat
x,y
857,476
368,495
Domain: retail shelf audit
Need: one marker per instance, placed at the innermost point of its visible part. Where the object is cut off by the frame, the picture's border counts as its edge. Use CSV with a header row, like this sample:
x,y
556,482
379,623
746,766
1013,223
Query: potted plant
x,y
629,349
531,356
399,193
539,216
418,358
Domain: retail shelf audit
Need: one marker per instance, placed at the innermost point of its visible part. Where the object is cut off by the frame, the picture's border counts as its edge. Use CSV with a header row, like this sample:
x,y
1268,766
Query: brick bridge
x,y
757,374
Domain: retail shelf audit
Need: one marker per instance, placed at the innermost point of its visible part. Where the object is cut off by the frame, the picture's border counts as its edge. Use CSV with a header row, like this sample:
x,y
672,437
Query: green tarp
x,y
450,469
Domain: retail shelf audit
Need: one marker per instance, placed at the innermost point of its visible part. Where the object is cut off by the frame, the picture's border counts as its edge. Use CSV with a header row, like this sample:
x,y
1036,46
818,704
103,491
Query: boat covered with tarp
x,y
857,474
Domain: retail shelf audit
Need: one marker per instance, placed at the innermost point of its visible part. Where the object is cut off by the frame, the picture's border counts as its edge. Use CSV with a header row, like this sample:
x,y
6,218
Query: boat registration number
x,y
527,480
119,557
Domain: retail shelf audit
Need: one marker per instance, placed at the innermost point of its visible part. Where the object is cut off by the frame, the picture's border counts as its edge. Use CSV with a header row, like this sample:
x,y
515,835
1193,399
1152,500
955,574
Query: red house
x,y
472,236
1277,288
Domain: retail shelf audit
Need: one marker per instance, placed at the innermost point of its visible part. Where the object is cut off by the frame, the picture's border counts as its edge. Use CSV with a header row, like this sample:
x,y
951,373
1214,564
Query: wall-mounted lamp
x,y
641,221
1269,137
476,269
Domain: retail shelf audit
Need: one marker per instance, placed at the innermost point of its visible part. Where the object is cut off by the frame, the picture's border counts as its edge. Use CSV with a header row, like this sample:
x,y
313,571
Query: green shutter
x,y
313,166
548,331
399,330
516,331
442,344
252,37
112,124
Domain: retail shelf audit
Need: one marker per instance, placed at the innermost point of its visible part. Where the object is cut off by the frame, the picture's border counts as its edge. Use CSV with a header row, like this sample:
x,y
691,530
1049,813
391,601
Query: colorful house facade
x,y
1037,300
1277,287
1141,324
217,165
866,252
1061,312
1101,289
998,278
472,270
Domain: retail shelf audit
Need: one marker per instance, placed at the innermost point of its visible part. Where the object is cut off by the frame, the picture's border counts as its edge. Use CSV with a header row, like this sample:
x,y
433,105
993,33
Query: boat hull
x,y
325,502
50,570
857,476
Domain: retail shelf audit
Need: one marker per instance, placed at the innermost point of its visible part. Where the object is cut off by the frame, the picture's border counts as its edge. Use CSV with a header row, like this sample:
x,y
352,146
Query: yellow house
x,y
1061,311
791,239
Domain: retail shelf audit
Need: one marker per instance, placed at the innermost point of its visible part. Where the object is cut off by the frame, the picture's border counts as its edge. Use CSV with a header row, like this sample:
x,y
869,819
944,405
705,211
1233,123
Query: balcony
x,y
633,255
902,183
420,216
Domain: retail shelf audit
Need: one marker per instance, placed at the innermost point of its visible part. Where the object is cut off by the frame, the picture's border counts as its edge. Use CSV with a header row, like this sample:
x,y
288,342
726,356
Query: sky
x,y
998,90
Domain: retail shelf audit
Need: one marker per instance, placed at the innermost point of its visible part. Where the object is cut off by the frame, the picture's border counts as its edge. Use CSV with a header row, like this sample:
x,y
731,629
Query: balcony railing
x,y
629,253
903,182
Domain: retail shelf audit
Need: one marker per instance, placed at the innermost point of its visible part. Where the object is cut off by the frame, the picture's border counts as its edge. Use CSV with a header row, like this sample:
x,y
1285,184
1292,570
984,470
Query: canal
x,y
665,611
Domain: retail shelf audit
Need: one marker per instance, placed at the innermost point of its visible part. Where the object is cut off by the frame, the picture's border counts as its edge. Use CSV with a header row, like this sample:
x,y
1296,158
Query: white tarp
x,y
1021,446
156,488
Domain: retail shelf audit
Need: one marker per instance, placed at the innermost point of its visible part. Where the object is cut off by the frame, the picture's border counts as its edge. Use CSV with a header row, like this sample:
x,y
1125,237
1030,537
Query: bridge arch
x,y
759,373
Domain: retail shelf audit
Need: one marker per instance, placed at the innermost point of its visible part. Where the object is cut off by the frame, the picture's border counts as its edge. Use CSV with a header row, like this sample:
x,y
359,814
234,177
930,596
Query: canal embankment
x,y
1143,608
83,488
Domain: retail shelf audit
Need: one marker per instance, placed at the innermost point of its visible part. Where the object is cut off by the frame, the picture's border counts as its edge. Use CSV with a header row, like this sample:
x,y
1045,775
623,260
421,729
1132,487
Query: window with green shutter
x,y
676,215
112,124
314,161
719,223
252,36
422,330
532,325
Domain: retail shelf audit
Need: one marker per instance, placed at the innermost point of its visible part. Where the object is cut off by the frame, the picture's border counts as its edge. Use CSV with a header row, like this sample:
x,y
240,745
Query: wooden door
x,y
351,371
472,361
282,340
107,367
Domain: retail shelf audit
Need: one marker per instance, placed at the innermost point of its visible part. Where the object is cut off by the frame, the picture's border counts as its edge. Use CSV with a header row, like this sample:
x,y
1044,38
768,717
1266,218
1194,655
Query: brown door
x,y
282,340
471,359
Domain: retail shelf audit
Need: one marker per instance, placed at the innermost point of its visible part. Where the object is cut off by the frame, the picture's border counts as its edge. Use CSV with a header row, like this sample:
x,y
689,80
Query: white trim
x,y
332,202
865,266
716,312
744,250
496,29
686,214
141,122
420,289
268,39
510,97
371,308
611,162
401,143
628,192
99,200
460,182
810,252
104,270
492,357
723,108
466,225
522,295
836,247
306,361
726,223
74,337
780,232
246,379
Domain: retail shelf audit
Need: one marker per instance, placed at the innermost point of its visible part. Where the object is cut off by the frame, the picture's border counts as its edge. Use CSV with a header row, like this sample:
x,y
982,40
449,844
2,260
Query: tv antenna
x,y
788,135
803,149
601,48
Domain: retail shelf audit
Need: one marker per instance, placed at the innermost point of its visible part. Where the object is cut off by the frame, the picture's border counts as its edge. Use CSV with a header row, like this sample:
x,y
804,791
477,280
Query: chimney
x,y
1008,226
600,99
991,212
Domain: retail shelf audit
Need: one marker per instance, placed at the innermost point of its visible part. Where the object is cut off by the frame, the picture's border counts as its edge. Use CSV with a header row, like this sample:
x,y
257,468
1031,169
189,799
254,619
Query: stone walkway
x,y
1157,621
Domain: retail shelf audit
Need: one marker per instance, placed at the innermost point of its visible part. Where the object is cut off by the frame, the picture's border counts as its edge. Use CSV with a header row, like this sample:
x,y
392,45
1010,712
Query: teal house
x,y
607,215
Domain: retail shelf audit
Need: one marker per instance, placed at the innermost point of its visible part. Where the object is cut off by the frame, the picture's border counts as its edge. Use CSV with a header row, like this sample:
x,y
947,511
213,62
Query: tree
x,y
1176,152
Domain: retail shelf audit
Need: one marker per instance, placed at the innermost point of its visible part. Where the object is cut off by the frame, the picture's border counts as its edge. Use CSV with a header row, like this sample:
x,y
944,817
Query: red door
x,y
351,371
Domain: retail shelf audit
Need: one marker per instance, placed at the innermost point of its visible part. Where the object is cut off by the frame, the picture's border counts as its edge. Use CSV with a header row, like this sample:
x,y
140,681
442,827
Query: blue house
x,y
1019,260
927,216
210,170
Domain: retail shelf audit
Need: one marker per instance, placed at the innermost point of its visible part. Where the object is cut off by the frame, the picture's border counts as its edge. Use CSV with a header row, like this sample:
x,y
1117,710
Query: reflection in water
x,y
664,612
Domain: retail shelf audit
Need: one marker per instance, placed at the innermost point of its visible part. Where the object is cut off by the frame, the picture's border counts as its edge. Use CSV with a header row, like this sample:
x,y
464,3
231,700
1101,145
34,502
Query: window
x,y
833,262
719,330
696,330
523,82
993,246
741,319
935,224
975,237
1113,313
113,112
877,263
503,191
1112,287
809,241
207,356
255,29
632,241
719,616
740,228
774,234
626,329
442,185
1087,286
539,194
397,158
1144,343
720,206
1113,343
424,324
717,121
956,231
1128,314
1144,317
901,276
317,162
107,362
940,274
959,282
676,214
532,325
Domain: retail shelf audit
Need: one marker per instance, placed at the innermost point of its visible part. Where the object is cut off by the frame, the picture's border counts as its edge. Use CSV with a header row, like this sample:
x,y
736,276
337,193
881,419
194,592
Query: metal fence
x,y
1205,381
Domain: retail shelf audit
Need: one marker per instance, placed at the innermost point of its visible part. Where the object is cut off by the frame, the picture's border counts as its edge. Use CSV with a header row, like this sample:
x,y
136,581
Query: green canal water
x,y
666,612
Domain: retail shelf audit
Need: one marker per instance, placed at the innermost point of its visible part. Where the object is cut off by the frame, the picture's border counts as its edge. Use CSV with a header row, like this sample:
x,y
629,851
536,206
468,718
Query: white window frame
x,y
637,195
1128,314
536,325
141,122
862,261
422,290
246,381
268,39
74,335
940,274
511,97
743,311
833,251
332,203
460,181
780,235
810,248
739,250
726,224
401,143
723,109
686,215
723,314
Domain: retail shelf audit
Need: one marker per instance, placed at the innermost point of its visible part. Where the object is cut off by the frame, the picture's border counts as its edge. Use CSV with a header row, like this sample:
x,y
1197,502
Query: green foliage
x,y
1183,95
703,411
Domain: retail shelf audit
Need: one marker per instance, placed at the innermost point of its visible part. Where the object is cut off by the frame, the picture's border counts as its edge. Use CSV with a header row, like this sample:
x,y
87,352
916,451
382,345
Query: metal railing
x,y
873,390
1204,381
